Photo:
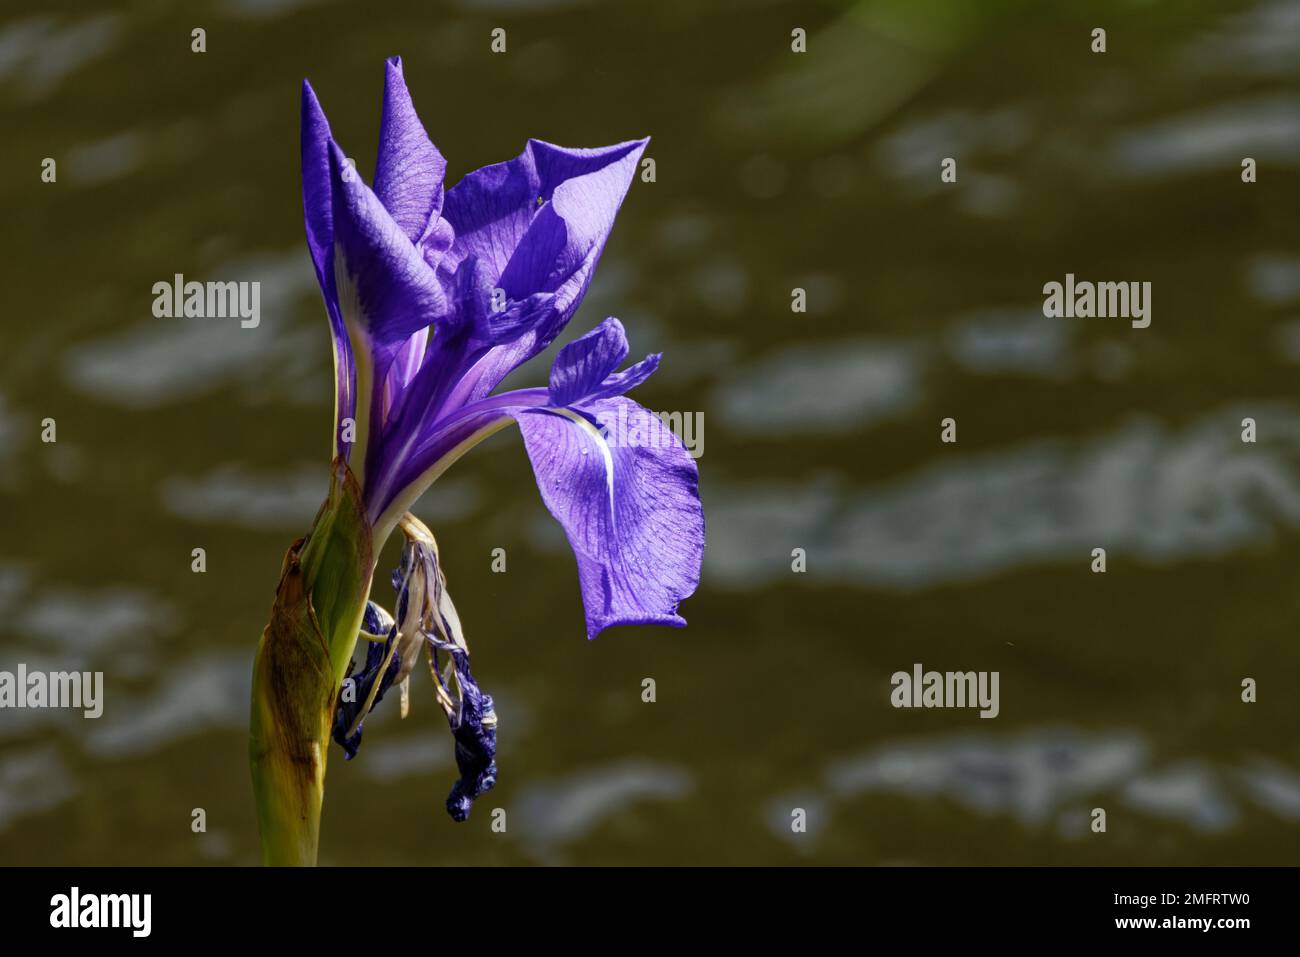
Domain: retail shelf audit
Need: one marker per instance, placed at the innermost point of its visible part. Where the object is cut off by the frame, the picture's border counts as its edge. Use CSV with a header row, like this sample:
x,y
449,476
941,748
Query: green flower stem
x,y
301,659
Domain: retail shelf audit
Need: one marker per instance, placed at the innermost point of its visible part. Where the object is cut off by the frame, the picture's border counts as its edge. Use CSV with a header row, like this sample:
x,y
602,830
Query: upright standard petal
x,y
317,201
316,190
409,170
396,290
540,222
492,208
626,492
568,233
409,175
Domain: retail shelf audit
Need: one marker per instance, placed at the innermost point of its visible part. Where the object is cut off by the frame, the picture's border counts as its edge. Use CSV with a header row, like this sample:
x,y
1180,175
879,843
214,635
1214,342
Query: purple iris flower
x,y
435,297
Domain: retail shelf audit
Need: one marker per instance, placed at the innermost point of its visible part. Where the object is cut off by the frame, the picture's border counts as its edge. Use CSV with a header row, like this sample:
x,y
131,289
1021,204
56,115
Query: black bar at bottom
x,y
475,908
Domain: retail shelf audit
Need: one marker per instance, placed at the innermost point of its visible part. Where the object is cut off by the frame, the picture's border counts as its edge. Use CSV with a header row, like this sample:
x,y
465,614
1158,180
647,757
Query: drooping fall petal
x,y
631,511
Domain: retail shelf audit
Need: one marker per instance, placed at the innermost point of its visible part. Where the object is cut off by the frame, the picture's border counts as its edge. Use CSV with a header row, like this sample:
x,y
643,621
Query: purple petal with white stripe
x,y
631,512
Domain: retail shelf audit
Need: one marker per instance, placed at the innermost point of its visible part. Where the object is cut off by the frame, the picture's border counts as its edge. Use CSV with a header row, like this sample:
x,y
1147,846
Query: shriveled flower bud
x,y
425,618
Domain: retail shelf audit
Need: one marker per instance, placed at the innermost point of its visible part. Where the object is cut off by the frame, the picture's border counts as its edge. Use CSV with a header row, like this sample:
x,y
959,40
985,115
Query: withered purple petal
x,y
475,731
356,688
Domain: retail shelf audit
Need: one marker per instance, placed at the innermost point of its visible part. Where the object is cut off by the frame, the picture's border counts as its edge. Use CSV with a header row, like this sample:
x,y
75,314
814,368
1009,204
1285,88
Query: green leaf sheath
x,y
301,659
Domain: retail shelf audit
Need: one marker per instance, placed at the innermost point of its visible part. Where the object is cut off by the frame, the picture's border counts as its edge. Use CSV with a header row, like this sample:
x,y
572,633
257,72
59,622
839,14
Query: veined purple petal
x,y
519,317
406,363
539,222
318,216
582,365
409,171
413,407
584,369
316,191
492,208
626,492
408,455
437,241
471,327
616,478
580,375
572,223
397,291
620,383
471,294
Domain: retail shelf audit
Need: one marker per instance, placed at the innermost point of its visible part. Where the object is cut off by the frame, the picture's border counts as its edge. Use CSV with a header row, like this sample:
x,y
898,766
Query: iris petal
x,y
319,219
579,376
540,223
397,292
584,369
316,195
406,363
582,365
409,171
631,377
631,511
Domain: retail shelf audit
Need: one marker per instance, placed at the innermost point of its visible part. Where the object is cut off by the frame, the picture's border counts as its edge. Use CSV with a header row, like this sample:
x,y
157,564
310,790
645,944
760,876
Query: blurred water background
x,y
821,430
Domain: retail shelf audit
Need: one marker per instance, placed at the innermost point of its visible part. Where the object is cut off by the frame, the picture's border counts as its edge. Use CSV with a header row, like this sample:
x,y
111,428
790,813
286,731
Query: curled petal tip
x,y
596,627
